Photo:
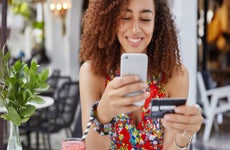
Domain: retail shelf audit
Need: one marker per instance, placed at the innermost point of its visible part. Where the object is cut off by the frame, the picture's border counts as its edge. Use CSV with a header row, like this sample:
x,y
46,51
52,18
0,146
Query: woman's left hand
x,y
186,121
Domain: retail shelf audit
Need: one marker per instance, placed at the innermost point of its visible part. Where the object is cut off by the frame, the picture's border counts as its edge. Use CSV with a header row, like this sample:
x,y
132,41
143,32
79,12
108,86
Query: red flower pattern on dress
x,y
148,134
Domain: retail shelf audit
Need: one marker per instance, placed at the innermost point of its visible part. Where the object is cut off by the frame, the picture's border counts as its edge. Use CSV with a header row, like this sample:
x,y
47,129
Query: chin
x,y
131,49
134,51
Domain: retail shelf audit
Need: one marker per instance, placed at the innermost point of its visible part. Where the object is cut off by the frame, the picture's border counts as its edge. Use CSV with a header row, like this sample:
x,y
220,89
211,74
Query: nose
x,y
136,26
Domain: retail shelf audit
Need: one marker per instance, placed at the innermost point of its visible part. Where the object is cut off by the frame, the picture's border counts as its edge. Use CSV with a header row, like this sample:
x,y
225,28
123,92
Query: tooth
x,y
134,40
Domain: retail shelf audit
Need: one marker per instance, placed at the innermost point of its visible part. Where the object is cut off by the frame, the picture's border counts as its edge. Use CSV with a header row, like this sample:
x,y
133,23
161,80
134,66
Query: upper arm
x,y
89,91
178,85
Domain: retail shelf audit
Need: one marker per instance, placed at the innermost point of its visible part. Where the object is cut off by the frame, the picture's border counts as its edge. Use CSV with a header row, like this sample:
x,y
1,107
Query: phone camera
x,y
126,57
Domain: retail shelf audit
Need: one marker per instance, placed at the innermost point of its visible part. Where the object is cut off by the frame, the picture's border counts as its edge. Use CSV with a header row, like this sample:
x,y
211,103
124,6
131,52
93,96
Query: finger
x,y
129,100
188,110
135,87
183,122
118,82
127,108
191,119
181,126
174,130
198,109
120,93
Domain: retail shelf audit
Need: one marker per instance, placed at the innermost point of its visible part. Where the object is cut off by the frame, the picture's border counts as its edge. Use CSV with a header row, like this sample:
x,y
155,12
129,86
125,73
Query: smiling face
x,y
136,25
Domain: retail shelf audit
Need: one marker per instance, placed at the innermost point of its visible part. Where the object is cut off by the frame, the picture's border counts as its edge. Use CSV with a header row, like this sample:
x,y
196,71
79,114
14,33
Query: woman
x,y
113,27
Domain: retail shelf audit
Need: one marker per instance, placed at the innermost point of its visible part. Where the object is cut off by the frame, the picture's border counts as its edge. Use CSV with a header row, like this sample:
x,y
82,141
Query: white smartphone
x,y
136,64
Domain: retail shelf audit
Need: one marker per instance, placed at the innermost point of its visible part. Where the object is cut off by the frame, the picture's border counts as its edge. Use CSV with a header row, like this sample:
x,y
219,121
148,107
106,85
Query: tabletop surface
x,y
48,102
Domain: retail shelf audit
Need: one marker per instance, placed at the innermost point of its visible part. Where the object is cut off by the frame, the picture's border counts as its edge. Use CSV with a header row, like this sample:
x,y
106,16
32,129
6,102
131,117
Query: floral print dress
x,y
148,133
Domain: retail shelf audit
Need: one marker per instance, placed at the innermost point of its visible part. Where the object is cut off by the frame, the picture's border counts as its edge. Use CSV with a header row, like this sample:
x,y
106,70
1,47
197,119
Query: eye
x,y
126,18
145,20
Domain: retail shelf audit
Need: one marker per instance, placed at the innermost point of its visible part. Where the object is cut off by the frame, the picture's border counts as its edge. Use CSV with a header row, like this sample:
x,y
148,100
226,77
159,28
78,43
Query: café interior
x,y
49,32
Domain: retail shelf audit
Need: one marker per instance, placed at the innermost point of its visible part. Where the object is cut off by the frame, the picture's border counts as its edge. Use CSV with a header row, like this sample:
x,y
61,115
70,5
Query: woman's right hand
x,y
113,101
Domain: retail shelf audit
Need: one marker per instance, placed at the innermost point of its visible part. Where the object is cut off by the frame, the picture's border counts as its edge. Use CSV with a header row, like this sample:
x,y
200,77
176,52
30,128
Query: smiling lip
x,y
134,41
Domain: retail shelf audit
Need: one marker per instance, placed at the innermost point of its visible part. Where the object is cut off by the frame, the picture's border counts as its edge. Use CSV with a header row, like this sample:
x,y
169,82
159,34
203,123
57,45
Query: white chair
x,y
211,103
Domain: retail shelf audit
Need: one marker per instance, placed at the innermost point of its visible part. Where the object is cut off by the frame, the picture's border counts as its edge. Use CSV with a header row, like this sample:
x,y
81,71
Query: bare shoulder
x,y
85,69
89,80
183,73
86,73
178,84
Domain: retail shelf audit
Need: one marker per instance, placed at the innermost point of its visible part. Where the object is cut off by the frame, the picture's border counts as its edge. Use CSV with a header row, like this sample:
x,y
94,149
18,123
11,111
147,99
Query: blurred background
x,y
49,31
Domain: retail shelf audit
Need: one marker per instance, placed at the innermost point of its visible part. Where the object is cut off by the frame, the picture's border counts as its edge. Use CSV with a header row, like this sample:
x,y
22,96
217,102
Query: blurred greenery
x,y
25,9
38,25
21,7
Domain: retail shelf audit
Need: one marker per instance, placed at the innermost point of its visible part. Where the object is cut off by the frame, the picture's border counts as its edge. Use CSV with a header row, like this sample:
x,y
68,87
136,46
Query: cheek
x,y
121,32
119,35
122,28
149,32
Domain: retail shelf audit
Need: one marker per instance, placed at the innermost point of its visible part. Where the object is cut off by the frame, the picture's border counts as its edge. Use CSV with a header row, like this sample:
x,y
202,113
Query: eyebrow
x,y
142,11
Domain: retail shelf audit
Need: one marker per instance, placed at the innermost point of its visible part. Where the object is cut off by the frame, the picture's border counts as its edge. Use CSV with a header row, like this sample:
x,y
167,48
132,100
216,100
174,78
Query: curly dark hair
x,y
100,45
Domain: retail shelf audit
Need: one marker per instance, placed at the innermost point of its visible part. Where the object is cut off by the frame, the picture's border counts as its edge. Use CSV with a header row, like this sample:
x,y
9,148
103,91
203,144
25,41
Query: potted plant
x,y
20,84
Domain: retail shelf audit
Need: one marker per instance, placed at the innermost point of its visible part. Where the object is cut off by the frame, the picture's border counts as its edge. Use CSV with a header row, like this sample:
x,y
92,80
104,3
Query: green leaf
x,y
43,87
17,66
37,100
6,57
25,119
1,101
4,93
14,116
33,66
44,74
5,116
28,111
4,66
